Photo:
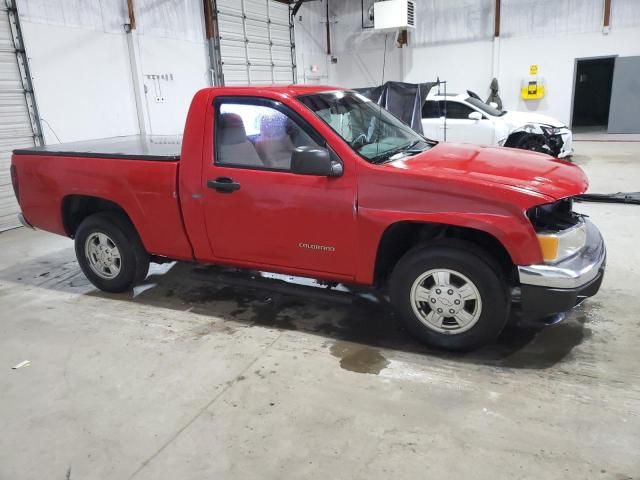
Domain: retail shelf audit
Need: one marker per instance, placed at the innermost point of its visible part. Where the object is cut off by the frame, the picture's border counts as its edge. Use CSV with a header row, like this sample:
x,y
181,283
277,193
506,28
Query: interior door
x,y
625,100
257,211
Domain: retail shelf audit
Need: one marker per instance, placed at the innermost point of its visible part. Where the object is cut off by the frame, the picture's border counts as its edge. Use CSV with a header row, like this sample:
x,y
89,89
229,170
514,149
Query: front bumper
x,y
24,222
561,143
567,143
547,289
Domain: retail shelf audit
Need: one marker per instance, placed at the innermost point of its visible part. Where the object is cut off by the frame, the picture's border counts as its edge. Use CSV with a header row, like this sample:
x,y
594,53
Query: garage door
x,y
15,123
255,42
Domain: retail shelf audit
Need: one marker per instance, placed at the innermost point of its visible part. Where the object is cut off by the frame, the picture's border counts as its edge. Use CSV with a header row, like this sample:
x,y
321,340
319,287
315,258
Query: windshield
x,y
488,109
369,129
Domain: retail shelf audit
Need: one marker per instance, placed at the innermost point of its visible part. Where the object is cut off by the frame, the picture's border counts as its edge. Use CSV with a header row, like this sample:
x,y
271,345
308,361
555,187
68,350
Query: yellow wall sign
x,y
532,91
533,70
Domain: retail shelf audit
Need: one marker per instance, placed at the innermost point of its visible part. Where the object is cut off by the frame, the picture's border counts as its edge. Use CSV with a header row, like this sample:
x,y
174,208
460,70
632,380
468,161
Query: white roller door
x,y
15,122
255,42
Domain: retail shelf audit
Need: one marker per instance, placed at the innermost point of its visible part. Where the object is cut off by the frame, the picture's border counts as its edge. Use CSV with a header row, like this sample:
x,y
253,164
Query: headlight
x,y
551,130
560,231
556,246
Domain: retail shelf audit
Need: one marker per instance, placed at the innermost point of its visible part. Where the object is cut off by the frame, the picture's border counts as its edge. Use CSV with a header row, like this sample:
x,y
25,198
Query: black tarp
x,y
404,100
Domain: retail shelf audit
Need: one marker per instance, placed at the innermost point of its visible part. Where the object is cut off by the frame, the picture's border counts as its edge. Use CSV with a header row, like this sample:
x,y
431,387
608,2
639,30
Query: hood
x,y
535,172
518,119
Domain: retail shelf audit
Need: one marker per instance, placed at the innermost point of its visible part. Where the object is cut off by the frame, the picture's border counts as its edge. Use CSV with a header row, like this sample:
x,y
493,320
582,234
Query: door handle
x,y
223,185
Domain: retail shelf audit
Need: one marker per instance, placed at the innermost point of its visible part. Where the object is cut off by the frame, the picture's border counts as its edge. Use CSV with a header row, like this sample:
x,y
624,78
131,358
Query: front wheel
x,y
450,298
110,252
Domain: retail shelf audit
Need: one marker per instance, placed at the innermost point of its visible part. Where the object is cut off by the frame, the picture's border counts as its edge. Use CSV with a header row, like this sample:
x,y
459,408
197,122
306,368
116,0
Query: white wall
x,y
516,54
357,53
173,70
454,41
360,53
464,65
468,65
173,58
311,46
81,67
84,85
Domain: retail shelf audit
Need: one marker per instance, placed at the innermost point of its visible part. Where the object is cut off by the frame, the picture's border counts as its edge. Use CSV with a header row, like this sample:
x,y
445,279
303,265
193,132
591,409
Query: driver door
x,y
271,216
461,129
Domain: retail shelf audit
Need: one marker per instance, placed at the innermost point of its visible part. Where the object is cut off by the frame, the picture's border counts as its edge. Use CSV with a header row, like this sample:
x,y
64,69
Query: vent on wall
x,y
411,18
394,15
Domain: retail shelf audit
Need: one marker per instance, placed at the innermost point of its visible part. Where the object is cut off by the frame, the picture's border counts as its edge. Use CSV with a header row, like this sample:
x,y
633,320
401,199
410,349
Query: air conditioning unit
x,y
394,15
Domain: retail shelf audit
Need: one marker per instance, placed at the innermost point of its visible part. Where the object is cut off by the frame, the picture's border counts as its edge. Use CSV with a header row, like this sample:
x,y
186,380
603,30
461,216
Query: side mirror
x,y
494,105
475,116
315,161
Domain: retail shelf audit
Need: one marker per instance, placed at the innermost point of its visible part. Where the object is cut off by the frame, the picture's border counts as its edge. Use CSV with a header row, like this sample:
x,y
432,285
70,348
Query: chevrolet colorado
x,y
320,182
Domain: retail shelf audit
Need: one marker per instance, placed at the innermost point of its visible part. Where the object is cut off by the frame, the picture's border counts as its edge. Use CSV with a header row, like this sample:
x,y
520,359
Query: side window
x,y
431,109
256,135
458,110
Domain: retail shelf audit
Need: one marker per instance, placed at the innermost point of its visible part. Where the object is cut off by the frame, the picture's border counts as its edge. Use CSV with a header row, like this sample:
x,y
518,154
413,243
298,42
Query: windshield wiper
x,y
408,149
383,157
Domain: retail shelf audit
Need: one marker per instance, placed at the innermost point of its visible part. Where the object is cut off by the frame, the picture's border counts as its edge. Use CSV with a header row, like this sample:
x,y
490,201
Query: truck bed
x,y
136,173
132,147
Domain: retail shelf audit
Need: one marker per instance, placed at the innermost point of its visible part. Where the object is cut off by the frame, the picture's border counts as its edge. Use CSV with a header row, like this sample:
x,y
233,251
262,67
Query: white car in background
x,y
470,120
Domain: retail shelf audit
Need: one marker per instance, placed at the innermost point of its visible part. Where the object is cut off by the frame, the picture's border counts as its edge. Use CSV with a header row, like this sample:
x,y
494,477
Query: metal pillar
x,y
25,72
213,42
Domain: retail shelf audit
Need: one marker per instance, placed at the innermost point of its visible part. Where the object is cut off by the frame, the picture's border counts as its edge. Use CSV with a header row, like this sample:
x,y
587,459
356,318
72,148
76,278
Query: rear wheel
x,y
110,252
450,298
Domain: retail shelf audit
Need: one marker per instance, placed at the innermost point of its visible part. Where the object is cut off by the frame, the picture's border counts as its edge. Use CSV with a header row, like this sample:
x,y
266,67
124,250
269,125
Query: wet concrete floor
x,y
207,372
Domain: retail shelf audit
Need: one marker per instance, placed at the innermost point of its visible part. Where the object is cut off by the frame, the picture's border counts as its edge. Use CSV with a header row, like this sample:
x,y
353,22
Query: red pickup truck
x,y
320,182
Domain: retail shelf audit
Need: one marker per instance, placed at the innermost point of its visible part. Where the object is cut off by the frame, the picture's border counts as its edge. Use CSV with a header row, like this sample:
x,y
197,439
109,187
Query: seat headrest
x,y
231,129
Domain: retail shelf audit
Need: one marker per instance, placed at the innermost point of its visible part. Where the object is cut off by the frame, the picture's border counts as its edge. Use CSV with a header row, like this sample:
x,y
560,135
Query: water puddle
x,y
359,358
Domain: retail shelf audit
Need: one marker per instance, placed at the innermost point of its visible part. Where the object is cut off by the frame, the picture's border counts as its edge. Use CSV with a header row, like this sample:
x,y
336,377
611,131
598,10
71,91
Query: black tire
x,y
134,260
474,264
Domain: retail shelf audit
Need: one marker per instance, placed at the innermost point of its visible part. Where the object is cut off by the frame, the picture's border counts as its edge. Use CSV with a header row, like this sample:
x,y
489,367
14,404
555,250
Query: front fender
x,y
513,231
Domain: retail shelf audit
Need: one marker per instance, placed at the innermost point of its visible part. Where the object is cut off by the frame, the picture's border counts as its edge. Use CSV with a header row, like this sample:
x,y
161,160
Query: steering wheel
x,y
360,139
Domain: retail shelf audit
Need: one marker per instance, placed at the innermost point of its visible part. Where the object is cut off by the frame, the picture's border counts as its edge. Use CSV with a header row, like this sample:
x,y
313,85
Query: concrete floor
x,y
207,373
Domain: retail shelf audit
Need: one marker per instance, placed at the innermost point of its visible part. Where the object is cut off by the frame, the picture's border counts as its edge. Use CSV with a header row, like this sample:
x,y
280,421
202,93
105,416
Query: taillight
x,y
14,182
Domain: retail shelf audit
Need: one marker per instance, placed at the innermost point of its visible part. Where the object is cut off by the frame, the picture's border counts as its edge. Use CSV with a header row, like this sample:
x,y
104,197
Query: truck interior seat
x,y
234,147
274,144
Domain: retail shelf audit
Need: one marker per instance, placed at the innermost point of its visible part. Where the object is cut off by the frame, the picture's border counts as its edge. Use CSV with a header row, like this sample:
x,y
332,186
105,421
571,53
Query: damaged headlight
x,y
560,245
550,131
561,232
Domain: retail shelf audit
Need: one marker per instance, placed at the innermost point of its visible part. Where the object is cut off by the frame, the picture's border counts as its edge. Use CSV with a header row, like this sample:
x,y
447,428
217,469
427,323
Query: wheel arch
x,y
76,208
400,237
512,139
528,129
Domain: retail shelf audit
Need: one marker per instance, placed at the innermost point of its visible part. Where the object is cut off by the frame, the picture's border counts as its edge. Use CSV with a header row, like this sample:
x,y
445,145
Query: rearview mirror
x,y
318,161
475,116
